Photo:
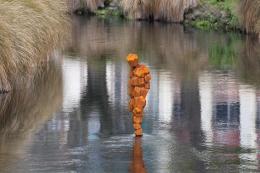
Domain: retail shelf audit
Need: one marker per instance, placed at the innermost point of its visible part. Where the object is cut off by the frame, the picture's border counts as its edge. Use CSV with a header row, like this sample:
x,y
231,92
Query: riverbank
x,y
30,31
226,15
214,15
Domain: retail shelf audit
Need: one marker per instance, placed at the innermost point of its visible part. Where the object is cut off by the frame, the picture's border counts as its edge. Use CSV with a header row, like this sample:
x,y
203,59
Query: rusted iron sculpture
x,y
138,87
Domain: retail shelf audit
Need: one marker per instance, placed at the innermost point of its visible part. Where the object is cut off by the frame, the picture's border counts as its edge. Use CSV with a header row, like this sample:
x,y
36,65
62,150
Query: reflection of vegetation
x,y
241,55
249,64
224,55
171,48
25,109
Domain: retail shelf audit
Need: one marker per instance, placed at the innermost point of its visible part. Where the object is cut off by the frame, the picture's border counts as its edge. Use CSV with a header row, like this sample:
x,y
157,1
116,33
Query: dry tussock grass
x,y
30,30
166,10
250,10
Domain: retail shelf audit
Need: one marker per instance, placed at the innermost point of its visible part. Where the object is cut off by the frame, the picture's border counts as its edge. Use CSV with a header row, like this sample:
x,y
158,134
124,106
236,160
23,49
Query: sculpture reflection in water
x,y
137,165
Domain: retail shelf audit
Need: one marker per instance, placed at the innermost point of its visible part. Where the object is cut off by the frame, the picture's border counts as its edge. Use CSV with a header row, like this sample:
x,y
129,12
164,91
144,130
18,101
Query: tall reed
x,y
30,30
166,10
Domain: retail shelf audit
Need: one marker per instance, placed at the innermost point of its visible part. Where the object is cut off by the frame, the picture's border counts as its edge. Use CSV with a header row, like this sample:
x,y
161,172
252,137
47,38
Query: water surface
x,y
202,114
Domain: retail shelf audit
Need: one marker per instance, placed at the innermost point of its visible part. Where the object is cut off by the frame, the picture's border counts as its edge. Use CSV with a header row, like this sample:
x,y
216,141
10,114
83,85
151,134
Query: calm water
x,y
202,115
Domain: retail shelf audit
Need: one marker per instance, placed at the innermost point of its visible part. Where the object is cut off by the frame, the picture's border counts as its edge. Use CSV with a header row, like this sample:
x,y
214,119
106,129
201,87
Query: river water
x,y
202,113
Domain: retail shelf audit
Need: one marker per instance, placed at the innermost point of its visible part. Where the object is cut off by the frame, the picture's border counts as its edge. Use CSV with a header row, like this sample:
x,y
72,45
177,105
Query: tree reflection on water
x,y
23,111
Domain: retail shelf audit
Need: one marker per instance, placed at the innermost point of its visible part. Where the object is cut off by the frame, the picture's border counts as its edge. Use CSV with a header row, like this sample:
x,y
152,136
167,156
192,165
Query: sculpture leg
x,y
137,121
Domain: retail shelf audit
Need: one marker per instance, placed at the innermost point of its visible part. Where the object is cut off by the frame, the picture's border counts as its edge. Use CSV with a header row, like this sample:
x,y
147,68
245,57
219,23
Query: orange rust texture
x,y
138,87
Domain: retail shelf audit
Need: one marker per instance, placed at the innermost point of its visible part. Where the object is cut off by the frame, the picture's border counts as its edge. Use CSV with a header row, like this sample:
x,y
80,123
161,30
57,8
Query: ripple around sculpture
x,y
202,113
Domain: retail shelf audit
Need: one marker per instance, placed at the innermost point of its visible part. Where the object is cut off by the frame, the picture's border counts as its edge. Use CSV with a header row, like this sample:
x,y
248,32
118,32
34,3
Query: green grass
x,y
229,5
108,13
203,24
231,8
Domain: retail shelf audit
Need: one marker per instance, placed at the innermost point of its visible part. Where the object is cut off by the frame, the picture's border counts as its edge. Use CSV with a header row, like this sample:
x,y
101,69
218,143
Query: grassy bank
x,y
29,31
214,14
226,15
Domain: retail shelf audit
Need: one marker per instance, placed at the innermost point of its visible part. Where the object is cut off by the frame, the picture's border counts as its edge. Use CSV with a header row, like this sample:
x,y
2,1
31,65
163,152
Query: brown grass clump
x,y
250,10
30,30
166,10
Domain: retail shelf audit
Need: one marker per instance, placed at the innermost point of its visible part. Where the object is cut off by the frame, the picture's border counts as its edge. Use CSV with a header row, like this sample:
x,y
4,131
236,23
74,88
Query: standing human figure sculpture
x,y
138,87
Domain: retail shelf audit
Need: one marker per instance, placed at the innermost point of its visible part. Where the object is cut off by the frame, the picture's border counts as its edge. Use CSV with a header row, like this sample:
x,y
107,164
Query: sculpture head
x,y
132,60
